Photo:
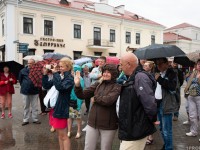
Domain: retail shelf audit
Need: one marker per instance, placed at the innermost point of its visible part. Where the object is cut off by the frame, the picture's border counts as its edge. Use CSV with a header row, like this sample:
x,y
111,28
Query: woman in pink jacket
x,y
7,80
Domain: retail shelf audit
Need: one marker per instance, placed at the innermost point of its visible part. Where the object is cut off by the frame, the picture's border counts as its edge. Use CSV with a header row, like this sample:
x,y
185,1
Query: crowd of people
x,y
130,97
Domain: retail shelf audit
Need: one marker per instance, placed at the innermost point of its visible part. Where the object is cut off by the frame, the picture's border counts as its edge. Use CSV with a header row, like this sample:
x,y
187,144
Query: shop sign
x,y
23,47
49,42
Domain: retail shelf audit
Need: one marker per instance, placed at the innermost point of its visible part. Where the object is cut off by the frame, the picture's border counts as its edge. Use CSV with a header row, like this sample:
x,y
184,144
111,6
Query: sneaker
x,y
10,115
190,134
186,122
84,129
2,116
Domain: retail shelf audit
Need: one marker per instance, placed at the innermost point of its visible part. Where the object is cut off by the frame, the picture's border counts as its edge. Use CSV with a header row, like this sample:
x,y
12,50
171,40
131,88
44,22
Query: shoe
x,y
2,116
186,122
78,135
69,134
190,134
175,118
52,129
25,123
10,115
36,122
84,129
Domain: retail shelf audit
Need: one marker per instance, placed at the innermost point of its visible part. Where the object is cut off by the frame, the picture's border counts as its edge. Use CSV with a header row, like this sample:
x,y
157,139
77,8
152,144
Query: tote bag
x,y
51,97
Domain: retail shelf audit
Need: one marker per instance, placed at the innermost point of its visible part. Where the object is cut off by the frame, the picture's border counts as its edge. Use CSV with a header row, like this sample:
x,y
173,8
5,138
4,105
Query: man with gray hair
x,y
29,93
137,106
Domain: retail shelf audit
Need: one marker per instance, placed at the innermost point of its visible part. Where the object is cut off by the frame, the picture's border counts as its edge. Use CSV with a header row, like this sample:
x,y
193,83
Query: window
x,y
128,37
152,39
137,38
77,54
48,27
97,53
77,31
48,51
28,25
112,54
3,25
97,36
112,35
196,36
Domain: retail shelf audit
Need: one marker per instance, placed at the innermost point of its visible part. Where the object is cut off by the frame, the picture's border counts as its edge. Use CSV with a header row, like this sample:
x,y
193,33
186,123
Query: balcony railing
x,y
99,43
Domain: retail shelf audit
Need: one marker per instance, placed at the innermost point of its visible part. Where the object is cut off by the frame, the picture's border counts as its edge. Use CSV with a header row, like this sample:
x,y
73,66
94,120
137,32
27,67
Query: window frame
x,y
137,38
153,39
3,26
112,35
77,31
128,37
25,17
47,28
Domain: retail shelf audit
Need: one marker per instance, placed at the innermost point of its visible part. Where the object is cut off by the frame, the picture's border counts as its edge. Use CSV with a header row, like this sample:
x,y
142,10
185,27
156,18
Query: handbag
x,y
193,91
51,97
73,104
188,88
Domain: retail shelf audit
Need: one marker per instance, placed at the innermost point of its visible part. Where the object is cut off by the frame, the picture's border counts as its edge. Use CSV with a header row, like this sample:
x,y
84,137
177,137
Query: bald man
x,y
137,106
30,95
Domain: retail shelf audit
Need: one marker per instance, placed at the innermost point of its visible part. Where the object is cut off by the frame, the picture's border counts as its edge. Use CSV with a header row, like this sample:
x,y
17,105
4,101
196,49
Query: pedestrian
x,y
30,95
47,83
149,67
169,103
137,106
63,82
102,120
193,88
7,80
180,80
75,108
87,83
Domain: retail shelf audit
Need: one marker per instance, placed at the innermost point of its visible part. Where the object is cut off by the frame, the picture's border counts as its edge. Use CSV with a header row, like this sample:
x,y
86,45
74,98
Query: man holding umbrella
x,y
169,104
30,94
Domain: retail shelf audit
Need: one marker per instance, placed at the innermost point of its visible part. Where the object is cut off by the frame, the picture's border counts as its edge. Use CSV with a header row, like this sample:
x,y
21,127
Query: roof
x,y
168,36
81,4
182,25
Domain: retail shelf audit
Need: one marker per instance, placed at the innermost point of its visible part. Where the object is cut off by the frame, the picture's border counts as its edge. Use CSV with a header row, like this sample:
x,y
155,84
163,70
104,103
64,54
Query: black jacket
x,y
27,86
136,111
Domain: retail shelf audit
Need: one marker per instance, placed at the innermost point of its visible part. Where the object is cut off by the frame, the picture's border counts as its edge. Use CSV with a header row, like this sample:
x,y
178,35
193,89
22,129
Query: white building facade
x,y
74,28
185,36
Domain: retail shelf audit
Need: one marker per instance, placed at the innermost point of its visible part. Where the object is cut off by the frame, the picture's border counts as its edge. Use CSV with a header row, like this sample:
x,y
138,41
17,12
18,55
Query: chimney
x,y
104,1
64,2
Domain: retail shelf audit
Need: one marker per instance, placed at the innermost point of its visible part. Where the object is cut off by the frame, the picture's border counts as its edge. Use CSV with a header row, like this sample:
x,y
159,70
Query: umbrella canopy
x,y
109,60
14,67
194,56
82,61
89,65
56,56
35,57
158,51
36,71
184,61
77,68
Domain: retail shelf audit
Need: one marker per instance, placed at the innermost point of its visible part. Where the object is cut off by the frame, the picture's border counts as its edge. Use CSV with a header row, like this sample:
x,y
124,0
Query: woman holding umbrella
x,y
7,80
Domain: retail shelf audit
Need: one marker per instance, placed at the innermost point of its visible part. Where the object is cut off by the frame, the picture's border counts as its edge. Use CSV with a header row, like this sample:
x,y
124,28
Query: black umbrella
x,y
56,56
14,67
184,61
158,51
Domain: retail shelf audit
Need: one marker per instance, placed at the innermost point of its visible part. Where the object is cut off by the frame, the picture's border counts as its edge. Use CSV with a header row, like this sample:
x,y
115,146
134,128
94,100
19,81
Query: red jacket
x,y
4,88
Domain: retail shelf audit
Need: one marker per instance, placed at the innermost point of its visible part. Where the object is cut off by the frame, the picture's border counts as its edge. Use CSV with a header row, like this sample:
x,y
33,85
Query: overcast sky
x,y
166,12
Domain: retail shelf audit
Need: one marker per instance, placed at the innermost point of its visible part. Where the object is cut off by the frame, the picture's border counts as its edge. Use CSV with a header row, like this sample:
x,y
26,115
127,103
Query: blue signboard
x,y
23,47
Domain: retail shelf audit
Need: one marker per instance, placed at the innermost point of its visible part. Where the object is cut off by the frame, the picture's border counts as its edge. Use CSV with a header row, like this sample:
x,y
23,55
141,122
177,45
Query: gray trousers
x,y
33,101
92,136
194,112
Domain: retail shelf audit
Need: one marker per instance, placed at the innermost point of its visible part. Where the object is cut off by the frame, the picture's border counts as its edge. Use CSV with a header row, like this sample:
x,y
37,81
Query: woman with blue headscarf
x,y
75,107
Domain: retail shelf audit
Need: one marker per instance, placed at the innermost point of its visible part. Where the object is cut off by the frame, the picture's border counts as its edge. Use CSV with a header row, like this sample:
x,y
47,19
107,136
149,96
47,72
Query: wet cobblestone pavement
x,y
14,136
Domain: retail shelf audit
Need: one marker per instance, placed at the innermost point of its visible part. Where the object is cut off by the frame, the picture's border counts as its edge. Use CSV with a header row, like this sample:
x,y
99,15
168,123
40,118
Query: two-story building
x,y
75,28
185,36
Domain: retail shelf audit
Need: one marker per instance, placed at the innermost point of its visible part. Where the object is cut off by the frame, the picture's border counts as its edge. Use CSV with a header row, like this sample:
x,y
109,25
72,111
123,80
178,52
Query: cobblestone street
x,y
13,136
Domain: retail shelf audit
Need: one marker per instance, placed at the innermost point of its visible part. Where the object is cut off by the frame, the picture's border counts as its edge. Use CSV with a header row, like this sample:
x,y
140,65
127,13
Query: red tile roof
x,y
168,36
80,4
183,25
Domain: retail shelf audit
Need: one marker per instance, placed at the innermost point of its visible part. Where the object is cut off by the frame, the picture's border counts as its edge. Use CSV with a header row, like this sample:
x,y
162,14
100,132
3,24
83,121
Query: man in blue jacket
x,y
30,95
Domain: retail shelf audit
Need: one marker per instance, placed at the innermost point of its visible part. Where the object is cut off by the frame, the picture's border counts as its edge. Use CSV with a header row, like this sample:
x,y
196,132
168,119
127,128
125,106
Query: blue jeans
x,y
166,127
